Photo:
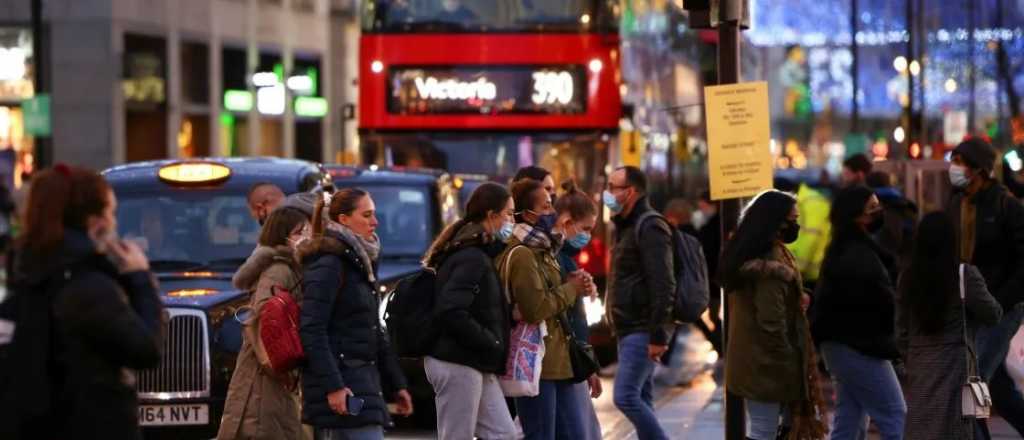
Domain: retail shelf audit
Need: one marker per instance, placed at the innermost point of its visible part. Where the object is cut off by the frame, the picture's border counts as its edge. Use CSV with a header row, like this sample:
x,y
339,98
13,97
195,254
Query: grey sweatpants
x,y
469,403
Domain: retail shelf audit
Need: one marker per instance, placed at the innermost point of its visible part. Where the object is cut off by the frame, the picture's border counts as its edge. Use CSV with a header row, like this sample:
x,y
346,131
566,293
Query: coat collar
x,y
642,205
334,243
262,258
773,265
75,249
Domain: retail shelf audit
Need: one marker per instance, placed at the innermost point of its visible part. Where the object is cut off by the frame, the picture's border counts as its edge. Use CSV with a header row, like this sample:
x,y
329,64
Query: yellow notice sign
x,y
739,158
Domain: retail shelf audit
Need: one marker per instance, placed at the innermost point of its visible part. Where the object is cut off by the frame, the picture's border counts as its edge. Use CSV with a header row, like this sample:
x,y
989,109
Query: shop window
x,y
195,75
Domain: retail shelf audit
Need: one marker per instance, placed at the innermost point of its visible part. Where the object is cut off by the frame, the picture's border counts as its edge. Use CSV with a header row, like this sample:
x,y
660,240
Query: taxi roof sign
x,y
194,173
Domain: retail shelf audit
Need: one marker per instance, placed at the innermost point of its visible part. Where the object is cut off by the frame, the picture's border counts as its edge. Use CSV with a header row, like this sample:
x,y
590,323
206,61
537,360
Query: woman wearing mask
x,y
930,320
349,361
853,320
262,404
474,321
577,217
772,363
534,278
106,312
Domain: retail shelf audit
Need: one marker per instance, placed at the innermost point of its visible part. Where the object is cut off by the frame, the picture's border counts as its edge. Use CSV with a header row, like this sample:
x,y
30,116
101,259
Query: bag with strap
x,y
975,398
525,349
409,314
691,272
581,354
279,331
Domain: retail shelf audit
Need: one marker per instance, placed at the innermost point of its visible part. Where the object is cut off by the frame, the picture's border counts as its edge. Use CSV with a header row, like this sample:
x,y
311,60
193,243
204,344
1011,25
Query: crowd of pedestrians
x,y
898,315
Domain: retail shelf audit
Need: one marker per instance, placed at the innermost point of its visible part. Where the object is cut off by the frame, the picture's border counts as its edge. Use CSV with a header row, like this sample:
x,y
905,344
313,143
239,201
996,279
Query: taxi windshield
x,y
189,230
405,216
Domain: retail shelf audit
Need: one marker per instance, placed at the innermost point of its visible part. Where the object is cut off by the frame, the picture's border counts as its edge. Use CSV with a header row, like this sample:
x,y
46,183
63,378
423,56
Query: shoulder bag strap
x,y
506,272
969,352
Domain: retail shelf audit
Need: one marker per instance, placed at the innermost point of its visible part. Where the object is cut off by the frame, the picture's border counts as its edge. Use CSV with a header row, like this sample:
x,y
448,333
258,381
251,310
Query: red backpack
x,y
279,331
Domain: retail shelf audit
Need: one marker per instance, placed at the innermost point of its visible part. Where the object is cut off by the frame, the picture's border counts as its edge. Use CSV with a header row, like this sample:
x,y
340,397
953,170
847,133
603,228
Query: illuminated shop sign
x,y
487,90
15,64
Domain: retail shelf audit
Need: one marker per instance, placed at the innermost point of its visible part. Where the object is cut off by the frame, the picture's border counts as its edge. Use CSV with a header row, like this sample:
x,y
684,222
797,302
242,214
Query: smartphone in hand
x,y
354,404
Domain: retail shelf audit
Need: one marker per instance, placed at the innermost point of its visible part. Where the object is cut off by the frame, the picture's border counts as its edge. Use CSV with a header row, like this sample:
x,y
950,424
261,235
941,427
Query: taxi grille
x,y
184,370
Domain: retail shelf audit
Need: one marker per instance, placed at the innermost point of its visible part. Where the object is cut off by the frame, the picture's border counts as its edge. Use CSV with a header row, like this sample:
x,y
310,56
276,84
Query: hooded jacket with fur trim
x,y
767,335
344,342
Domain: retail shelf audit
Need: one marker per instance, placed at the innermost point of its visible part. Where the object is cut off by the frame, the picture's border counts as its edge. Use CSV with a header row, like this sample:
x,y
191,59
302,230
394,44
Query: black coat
x,y
342,337
105,324
998,241
855,303
643,284
471,311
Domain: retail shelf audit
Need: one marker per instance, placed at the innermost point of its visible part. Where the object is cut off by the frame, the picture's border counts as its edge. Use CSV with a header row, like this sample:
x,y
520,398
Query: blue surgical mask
x,y
611,202
506,231
580,241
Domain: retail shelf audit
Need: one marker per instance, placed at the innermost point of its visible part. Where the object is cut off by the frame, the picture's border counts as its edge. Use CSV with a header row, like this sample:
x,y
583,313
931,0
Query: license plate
x,y
174,415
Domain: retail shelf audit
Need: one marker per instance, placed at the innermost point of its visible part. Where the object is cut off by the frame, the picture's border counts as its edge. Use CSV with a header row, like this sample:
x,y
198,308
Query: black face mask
x,y
790,231
877,222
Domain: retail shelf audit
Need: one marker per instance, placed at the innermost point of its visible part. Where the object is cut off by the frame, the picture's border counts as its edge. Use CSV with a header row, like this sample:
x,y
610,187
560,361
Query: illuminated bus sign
x,y
487,90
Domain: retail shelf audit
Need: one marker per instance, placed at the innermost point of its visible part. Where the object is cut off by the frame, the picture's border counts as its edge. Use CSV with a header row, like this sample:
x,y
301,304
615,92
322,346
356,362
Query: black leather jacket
x,y
642,280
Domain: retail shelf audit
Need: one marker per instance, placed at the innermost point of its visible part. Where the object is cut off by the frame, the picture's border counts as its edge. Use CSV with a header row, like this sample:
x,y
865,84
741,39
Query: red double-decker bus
x,y
488,86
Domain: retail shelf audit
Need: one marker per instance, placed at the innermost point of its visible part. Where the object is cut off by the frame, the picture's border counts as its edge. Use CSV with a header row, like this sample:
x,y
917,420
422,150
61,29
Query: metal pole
x,y
971,75
854,46
922,48
42,151
908,116
729,73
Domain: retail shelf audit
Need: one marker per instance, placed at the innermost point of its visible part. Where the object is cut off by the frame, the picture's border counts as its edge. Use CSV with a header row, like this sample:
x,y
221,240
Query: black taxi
x,y
192,219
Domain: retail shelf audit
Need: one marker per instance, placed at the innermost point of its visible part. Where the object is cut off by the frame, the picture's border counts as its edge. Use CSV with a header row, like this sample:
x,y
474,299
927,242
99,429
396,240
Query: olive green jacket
x,y
768,334
533,276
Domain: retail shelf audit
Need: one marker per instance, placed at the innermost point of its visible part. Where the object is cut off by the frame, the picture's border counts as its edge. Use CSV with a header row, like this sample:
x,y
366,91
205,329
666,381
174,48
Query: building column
x,y
288,60
331,123
216,61
173,88
252,52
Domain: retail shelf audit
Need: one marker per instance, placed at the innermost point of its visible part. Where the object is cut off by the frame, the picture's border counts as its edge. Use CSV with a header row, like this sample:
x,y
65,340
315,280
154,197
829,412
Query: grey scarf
x,y
368,250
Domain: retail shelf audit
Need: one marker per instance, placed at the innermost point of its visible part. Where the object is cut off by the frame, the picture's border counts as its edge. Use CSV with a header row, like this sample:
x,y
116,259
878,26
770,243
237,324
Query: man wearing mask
x,y
990,223
639,298
263,198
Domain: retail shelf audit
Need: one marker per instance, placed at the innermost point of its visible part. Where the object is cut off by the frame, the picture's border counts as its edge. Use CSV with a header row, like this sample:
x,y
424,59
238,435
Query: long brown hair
x,y
487,198
62,197
523,195
279,225
343,201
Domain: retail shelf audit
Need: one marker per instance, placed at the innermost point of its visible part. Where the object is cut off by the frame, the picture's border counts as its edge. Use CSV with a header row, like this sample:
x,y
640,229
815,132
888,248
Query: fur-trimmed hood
x,y
334,243
262,257
462,235
774,266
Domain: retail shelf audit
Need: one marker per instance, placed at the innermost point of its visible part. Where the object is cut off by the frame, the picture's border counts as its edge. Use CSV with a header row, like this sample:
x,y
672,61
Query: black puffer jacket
x,y
855,303
998,241
344,342
471,311
642,279
105,325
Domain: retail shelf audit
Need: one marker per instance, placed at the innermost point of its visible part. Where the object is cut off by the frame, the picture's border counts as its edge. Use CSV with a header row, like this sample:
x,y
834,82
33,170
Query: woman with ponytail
x,y
349,362
105,315
474,320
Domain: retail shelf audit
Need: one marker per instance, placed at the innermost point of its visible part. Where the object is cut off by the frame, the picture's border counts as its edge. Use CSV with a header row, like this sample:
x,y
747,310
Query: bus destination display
x,y
487,90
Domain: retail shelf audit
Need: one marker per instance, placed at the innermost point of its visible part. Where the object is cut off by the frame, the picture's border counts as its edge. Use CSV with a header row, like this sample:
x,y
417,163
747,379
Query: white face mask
x,y
698,219
958,176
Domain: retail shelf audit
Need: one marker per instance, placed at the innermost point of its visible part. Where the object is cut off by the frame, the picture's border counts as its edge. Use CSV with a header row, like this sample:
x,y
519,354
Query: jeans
x,y
762,419
634,385
552,412
365,433
993,345
866,386
469,403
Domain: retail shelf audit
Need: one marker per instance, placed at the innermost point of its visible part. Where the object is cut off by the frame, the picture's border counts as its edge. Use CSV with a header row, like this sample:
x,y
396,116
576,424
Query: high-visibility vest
x,y
815,231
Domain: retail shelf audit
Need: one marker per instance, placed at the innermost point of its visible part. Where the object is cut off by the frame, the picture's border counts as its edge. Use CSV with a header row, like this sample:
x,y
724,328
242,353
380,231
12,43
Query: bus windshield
x,y
488,16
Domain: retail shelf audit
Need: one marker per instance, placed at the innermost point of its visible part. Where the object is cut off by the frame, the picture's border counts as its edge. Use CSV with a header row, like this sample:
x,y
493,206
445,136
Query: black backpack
x,y
409,314
691,270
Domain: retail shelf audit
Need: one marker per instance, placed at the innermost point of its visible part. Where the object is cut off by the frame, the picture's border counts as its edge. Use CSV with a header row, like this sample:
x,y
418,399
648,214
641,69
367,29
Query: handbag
x,y
581,354
525,349
976,402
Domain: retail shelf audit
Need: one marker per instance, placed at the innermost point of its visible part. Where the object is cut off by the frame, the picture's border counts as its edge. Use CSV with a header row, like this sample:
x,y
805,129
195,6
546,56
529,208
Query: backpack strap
x,y
643,219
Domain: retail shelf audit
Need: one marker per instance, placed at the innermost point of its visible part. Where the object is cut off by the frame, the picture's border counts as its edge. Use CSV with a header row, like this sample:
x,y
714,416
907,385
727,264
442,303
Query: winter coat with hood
x,y
536,289
106,324
471,311
768,337
344,342
261,404
642,281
